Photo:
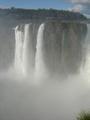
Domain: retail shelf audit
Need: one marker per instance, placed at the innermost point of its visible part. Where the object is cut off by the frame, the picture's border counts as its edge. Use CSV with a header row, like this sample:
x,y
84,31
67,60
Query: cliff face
x,y
56,47
63,46
62,41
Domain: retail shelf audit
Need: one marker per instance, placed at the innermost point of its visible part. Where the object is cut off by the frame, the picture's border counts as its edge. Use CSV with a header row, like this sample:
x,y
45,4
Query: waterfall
x,y
24,56
24,49
19,35
39,60
28,49
47,49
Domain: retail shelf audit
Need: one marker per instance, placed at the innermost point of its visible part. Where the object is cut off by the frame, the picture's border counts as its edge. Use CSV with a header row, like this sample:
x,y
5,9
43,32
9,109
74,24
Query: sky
x,y
82,6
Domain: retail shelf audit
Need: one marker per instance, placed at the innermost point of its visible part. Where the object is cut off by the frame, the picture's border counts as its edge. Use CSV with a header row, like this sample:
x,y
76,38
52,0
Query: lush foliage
x,y
44,14
84,116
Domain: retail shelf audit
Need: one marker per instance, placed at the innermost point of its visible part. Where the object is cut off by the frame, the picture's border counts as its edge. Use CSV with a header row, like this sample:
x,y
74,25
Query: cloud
x,y
80,1
77,8
86,8
82,6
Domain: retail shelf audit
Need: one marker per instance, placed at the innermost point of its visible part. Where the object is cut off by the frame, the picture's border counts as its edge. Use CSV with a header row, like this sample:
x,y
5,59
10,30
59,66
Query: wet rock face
x,y
63,46
57,46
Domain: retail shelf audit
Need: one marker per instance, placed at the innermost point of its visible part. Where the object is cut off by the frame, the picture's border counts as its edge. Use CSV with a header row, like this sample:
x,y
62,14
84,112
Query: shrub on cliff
x,y
84,116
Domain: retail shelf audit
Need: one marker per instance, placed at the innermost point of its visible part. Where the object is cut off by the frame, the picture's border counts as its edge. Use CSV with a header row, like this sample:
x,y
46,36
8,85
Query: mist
x,y
46,90
52,98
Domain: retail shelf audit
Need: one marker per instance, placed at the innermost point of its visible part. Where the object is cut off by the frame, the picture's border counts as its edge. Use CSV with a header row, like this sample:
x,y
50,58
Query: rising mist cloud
x,y
82,6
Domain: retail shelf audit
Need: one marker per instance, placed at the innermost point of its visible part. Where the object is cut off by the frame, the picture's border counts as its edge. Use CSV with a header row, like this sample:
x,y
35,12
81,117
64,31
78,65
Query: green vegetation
x,y
42,14
84,116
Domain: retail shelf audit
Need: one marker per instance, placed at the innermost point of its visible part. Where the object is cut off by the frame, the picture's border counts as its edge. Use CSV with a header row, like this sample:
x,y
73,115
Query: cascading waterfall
x,y
19,35
24,51
27,49
85,70
48,49
45,77
39,60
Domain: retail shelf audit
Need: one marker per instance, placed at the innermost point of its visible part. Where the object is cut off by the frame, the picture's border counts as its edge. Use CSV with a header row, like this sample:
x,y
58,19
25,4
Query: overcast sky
x,y
75,5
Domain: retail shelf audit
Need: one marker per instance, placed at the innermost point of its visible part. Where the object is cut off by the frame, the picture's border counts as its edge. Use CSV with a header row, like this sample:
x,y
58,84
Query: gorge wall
x,y
51,47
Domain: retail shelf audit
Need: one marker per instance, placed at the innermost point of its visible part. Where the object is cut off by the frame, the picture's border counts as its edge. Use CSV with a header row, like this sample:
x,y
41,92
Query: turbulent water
x,y
48,72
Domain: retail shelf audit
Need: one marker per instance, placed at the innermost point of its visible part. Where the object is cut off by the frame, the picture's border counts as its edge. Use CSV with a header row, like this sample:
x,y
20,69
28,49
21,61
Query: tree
x,y
84,116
